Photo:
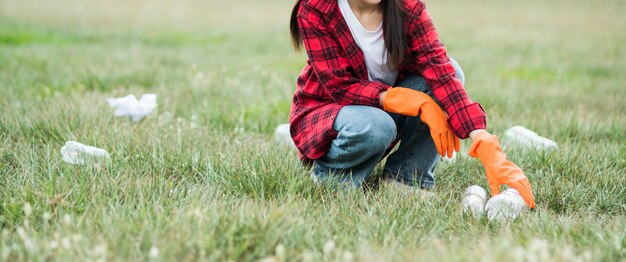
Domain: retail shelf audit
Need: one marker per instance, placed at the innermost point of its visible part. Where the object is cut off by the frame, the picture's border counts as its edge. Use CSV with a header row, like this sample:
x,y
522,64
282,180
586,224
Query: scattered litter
x,y
474,201
505,206
131,107
79,154
527,138
283,136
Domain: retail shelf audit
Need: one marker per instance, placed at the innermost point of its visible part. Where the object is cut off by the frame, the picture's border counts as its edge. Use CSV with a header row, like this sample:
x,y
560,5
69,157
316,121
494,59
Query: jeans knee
x,y
371,127
382,133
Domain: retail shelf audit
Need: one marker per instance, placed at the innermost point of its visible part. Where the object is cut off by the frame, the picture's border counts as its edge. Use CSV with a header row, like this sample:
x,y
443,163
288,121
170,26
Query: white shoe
x,y
406,189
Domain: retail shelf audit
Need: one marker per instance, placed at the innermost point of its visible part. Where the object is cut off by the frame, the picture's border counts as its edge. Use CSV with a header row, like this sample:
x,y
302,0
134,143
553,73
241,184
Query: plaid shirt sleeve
x,y
429,57
336,76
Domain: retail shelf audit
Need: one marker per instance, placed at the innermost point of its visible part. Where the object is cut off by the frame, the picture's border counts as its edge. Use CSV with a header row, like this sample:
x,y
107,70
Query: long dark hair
x,y
393,28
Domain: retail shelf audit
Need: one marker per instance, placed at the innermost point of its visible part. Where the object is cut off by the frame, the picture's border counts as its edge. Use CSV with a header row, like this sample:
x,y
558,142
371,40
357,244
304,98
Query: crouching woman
x,y
377,75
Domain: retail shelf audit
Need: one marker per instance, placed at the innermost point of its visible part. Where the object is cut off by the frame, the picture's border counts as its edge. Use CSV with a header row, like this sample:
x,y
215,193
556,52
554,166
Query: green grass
x,y
202,179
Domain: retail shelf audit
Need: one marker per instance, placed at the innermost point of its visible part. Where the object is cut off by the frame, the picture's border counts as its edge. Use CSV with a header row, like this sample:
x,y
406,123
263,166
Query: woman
x,y
372,68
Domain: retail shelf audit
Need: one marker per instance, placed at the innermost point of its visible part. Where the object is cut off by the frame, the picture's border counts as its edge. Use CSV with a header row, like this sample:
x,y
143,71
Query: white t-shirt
x,y
372,43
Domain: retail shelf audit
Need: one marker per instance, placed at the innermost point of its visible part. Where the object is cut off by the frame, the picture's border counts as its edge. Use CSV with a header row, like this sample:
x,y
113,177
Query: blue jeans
x,y
364,134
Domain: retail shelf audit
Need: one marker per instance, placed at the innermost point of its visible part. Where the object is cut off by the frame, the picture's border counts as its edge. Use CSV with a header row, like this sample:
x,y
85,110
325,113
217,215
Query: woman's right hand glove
x,y
409,102
499,170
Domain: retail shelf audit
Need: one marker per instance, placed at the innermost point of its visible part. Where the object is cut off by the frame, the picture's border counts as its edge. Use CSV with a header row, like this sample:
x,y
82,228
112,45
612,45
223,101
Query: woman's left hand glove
x,y
499,170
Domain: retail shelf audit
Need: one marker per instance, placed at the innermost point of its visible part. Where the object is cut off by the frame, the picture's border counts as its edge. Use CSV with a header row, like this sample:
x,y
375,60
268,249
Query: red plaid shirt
x,y
335,75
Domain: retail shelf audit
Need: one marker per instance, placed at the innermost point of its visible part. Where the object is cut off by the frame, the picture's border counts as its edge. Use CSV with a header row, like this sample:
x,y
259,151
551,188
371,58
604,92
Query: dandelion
x,y
154,252
28,210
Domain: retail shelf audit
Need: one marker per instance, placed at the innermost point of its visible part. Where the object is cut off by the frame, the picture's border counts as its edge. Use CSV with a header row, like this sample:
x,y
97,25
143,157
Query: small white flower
x,y
54,245
100,249
29,244
306,256
66,243
329,246
154,252
28,210
197,213
77,238
280,251
46,217
22,233
347,256
269,259
67,220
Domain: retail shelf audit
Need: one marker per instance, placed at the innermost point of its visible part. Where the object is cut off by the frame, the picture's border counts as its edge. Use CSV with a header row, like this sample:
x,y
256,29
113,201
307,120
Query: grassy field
x,y
202,179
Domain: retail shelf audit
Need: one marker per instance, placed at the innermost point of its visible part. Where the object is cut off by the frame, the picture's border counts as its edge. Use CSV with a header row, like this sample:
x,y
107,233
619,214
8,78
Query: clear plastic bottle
x,y
474,201
525,137
283,136
79,154
505,206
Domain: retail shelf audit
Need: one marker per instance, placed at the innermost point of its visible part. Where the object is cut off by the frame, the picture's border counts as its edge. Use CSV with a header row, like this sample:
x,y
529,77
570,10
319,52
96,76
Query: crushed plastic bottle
x,y
283,136
474,201
527,138
78,154
505,206
131,107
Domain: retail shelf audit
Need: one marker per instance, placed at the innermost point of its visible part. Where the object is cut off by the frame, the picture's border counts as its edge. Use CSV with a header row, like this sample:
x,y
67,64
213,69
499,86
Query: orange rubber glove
x,y
499,170
406,101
